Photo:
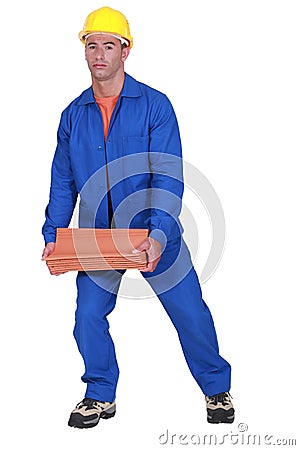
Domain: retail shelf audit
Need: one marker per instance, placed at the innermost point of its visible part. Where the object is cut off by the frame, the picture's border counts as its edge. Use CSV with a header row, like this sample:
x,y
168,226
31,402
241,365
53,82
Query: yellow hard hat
x,y
107,20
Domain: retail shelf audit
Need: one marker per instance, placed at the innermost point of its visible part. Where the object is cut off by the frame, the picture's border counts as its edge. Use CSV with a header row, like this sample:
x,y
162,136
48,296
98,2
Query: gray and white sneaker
x,y
219,408
88,413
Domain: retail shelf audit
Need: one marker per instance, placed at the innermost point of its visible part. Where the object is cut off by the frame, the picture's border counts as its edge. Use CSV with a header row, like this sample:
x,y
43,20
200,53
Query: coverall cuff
x,y
159,236
49,238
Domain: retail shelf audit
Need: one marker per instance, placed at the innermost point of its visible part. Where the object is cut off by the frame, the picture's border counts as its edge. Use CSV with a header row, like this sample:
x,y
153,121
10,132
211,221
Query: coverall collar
x,y
130,89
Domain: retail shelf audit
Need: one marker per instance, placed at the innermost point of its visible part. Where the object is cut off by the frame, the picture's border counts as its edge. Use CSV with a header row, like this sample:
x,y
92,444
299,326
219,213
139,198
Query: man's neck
x,y
108,88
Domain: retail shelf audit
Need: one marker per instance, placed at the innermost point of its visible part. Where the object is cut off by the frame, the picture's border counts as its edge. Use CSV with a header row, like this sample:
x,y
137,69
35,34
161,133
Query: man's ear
x,y
125,53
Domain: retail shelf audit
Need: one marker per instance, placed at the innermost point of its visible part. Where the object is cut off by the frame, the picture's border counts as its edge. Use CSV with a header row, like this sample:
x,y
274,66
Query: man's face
x,y
105,56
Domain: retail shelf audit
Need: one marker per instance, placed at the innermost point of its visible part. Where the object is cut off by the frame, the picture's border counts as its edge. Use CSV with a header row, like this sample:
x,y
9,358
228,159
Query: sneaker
x,y
219,408
88,413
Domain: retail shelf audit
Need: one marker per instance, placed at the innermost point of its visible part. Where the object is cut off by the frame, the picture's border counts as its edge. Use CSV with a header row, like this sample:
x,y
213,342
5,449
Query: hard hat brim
x,y
83,35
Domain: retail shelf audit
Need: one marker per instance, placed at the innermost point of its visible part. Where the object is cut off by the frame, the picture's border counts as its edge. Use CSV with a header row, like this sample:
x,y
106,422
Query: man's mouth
x,y
99,65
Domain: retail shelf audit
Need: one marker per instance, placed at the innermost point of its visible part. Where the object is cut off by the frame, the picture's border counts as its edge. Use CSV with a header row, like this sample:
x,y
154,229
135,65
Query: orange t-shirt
x,y
106,105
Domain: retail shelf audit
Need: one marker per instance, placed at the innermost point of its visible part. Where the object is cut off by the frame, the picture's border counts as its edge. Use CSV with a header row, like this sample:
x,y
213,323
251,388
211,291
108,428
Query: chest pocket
x,y
135,161
135,144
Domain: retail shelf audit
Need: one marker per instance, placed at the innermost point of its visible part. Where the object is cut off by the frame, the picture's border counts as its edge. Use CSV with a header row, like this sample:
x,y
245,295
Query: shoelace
x,y
220,398
88,402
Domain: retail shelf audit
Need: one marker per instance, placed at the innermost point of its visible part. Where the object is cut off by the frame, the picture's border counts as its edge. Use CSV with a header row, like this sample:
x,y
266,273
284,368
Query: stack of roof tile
x,y
87,249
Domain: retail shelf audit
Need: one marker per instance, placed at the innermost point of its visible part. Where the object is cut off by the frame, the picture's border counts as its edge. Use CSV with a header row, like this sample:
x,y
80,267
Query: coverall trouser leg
x,y
96,298
179,291
176,284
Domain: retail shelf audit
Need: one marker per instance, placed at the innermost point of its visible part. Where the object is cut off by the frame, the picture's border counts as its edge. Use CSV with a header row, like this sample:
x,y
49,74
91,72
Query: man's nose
x,y
100,54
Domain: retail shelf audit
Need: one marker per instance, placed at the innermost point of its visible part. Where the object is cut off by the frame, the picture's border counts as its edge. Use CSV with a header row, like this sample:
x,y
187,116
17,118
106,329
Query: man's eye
x,y
108,47
91,47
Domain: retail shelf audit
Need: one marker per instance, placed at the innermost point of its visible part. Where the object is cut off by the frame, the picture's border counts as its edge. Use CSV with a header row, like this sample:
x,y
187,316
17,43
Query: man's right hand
x,y
50,247
48,250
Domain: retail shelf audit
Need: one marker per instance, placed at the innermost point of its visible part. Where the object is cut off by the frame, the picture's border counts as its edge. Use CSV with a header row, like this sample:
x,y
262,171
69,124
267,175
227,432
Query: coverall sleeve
x,y
63,192
166,173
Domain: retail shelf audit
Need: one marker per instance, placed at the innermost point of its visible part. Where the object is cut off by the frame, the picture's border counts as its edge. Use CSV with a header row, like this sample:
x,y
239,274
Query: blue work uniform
x,y
137,169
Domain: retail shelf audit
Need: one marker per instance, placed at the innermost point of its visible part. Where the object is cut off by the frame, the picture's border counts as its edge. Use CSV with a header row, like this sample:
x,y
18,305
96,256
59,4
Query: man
x,y
119,149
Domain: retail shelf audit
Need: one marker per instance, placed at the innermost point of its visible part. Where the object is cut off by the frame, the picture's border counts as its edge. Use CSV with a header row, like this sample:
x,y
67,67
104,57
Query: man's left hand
x,y
153,250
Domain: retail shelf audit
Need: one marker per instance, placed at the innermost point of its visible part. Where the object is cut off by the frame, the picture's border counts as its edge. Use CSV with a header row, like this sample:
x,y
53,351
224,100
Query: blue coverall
x,y
140,164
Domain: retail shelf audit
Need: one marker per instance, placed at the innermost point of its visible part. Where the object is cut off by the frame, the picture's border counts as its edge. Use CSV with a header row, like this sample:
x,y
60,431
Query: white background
x,y
231,70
